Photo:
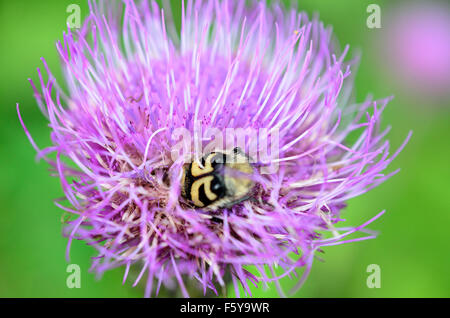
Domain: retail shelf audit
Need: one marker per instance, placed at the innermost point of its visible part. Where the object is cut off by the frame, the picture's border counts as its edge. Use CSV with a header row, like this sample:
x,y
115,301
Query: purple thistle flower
x,y
133,80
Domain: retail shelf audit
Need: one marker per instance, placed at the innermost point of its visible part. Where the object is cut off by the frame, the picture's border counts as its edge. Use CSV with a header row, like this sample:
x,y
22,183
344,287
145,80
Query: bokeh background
x,y
408,58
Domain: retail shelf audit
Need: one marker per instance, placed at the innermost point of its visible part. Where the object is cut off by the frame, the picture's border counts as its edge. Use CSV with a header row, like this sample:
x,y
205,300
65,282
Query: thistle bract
x,y
143,99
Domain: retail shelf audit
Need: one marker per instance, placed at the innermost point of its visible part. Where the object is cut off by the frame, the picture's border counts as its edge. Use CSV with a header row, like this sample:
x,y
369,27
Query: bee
x,y
222,180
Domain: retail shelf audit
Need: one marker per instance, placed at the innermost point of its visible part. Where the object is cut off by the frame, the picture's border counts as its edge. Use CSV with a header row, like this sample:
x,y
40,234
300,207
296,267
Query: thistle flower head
x,y
143,100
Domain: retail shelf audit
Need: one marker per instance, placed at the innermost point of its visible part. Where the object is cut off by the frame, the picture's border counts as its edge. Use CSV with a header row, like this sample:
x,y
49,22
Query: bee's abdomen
x,y
203,190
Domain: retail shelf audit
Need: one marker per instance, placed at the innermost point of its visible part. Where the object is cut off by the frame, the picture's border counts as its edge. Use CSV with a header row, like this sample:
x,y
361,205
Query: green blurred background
x,y
412,249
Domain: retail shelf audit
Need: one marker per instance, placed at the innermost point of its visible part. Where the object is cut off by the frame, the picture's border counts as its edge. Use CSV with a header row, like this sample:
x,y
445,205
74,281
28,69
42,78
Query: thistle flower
x,y
418,54
133,80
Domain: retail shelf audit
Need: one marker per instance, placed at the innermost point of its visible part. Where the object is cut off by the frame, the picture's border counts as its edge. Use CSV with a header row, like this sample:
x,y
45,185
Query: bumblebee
x,y
222,180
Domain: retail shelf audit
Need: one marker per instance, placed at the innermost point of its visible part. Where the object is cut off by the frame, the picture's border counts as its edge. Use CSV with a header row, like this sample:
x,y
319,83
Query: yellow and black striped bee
x,y
222,180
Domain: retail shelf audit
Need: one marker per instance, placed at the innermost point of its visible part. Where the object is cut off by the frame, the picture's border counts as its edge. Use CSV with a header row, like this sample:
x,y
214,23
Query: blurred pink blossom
x,y
416,45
